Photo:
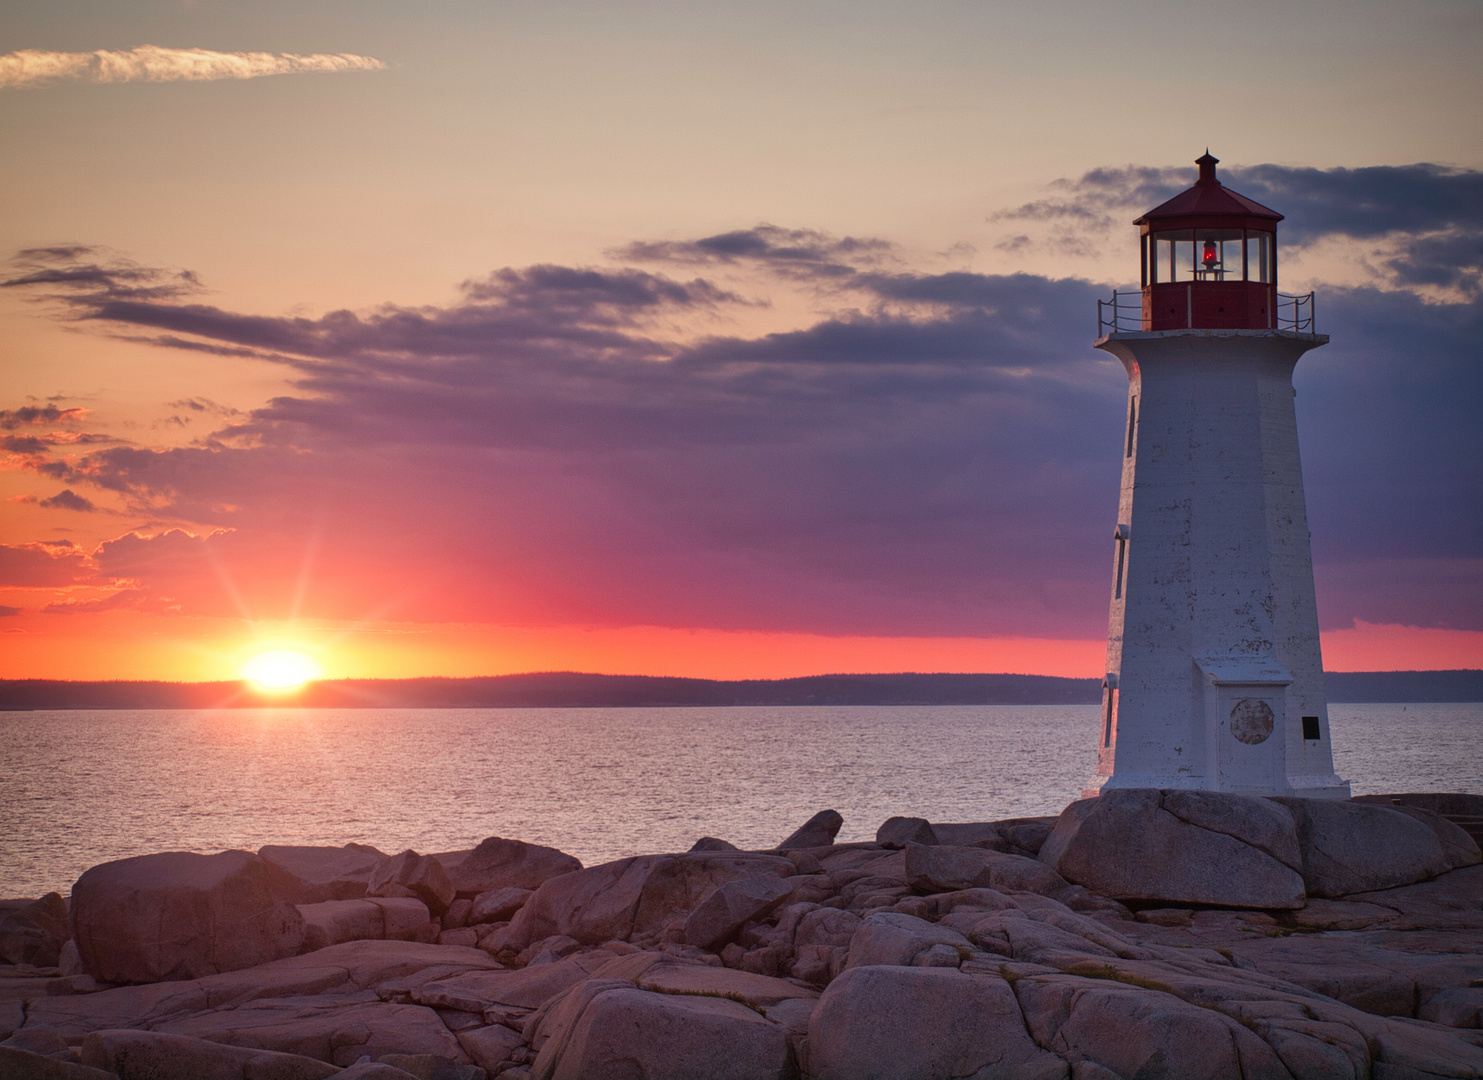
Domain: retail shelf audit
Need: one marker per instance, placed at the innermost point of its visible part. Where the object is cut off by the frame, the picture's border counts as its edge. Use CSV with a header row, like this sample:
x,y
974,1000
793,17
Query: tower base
x,y
1297,787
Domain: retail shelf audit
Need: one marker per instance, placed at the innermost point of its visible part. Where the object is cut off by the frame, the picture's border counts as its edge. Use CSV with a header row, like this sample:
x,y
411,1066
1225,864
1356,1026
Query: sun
x,y
281,669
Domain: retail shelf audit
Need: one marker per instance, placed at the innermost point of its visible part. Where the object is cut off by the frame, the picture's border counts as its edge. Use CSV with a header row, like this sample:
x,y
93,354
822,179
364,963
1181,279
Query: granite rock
x,y
1351,847
892,938
497,905
818,831
18,1064
178,915
717,919
919,1023
328,873
498,863
417,876
34,933
154,1055
636,899
616,1031
900,831
1219,849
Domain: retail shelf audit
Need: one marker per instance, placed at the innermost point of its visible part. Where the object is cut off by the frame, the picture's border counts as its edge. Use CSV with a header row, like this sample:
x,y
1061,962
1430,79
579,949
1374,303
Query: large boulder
x,y
1351,847
609,1029
1134,1031
179,915
328,873
498,863
421,877
155,1055
938,869
733,905
635,899
34,932
818,831
496,905
900,831
888,937
918,1023
1458,846
1190,847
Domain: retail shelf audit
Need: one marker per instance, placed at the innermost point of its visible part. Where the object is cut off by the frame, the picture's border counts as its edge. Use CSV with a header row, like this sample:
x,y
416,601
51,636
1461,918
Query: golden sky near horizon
x,y
746,519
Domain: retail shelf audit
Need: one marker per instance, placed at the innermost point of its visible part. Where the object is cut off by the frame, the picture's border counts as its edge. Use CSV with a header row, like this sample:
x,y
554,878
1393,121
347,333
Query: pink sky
x,y
688,342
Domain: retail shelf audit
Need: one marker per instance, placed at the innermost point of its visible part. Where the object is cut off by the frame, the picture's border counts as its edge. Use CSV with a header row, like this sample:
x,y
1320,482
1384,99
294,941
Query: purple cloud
x,y
942,461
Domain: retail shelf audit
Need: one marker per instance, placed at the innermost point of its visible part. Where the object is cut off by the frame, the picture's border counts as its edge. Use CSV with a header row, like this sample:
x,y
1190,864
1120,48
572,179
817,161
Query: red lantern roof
x,y
1209,204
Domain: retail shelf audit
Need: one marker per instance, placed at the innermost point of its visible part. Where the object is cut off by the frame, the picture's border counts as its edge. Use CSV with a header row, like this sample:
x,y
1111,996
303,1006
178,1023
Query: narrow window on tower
x,y
1132,424
1310,729
1117,581
1109,715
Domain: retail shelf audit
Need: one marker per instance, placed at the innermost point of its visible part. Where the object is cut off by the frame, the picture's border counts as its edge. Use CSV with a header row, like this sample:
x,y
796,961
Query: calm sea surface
x,y
80,788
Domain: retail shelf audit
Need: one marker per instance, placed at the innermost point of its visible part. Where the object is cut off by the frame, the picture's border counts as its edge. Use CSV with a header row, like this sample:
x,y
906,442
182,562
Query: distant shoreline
x,y
577,690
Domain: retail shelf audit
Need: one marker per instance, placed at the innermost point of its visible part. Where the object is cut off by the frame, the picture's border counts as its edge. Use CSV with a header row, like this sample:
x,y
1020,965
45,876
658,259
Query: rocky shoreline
x,y
1141,934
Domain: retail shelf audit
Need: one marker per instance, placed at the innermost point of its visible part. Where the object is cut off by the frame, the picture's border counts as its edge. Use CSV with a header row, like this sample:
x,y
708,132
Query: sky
x,y
723,340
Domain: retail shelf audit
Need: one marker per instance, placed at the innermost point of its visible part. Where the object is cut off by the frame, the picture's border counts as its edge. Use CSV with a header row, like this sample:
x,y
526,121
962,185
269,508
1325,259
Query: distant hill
x,y
560,689
572,689
1409,686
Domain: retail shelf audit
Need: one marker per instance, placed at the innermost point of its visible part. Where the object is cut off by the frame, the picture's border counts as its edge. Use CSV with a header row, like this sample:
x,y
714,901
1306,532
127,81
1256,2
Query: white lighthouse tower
x,y
1214,677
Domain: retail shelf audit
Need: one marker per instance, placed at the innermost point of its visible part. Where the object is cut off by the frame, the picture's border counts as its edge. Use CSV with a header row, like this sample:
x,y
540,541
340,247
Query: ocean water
x,y
80,788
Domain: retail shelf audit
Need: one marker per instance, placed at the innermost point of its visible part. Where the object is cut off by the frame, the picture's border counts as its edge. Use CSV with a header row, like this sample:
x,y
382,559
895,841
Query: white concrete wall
x,y
1217,603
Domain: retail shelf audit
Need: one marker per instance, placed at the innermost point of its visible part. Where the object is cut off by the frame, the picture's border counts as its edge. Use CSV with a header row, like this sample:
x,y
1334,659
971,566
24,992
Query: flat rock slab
x,y
17,1064
332,1028
1179,847
356,965
756,991
1387,972
527,988
153,1055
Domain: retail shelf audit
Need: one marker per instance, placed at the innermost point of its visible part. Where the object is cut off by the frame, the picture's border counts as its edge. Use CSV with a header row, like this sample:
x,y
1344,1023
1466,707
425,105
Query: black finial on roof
x,y
1207,164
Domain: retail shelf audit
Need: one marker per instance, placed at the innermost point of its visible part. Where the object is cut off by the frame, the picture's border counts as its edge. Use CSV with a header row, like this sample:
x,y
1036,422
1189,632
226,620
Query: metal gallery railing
x,y
1124,313
1121,314
1295,313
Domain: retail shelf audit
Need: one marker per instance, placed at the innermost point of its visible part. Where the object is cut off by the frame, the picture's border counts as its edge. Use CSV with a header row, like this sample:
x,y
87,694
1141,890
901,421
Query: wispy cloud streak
x,y
152,63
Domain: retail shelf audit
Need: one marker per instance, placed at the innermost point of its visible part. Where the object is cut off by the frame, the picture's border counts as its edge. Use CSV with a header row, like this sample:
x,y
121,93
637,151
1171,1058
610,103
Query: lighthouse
x,y
1214,678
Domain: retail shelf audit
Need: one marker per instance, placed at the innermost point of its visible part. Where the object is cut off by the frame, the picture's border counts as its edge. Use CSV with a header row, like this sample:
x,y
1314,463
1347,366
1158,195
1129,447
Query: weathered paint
x,y
1213,635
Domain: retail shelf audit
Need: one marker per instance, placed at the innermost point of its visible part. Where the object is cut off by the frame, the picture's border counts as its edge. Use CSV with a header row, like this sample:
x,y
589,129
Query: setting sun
x,y
280,669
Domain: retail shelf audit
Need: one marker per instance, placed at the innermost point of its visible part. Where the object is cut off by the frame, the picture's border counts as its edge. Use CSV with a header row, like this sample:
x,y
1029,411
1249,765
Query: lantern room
x,y
1209,259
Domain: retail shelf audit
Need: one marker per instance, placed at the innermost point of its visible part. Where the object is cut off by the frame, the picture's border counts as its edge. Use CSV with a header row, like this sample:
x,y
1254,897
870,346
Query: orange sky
x,y
746,341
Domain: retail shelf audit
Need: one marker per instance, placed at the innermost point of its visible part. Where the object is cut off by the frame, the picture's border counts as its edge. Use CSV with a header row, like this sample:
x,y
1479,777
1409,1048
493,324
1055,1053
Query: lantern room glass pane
x,y
1259,257
1161,267
1174,256
1217,255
